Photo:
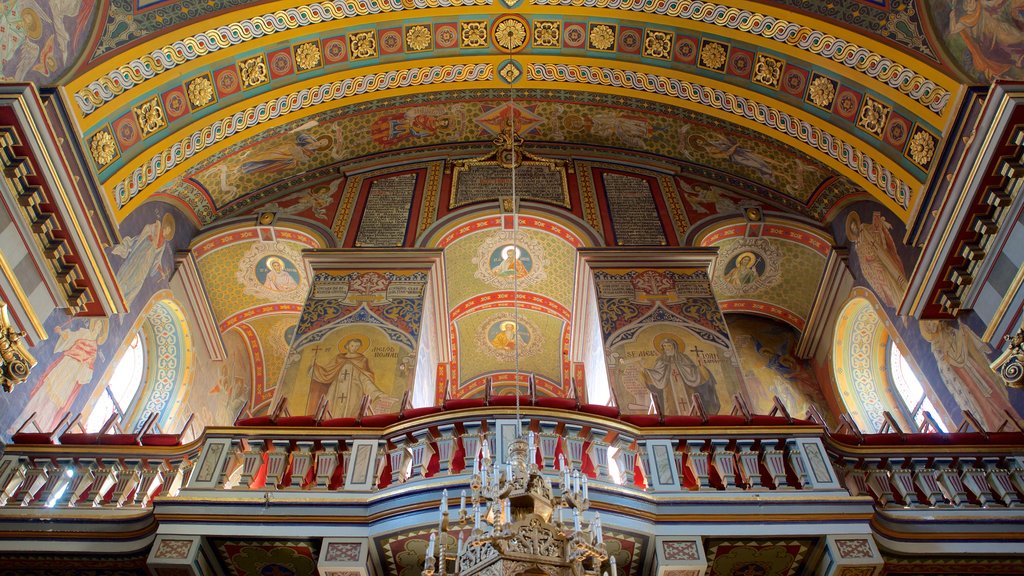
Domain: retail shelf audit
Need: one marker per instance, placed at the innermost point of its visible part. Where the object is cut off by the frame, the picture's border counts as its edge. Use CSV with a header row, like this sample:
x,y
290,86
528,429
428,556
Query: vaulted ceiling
x,y
223,105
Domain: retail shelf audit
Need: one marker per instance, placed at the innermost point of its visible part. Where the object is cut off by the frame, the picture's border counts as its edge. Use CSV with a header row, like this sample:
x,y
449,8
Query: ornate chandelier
x,y
519,526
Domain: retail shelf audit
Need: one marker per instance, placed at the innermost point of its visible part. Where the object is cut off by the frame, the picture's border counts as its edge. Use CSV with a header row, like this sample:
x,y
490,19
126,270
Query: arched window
x,y
873,375
123,385
909,390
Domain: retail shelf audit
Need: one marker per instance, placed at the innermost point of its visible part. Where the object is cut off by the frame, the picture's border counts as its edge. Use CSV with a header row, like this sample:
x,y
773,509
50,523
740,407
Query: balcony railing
x,y
757,455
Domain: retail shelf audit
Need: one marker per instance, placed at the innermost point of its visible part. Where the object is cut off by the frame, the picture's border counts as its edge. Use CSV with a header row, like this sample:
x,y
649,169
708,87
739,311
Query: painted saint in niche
x,y
277,274
143,255
965,371
744,269
675,376
879,261
505,335
510,262
345,379
70,370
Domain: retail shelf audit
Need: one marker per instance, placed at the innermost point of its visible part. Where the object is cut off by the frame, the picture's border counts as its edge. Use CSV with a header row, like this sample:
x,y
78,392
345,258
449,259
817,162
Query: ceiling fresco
x,y
752,259
256,286
767,168
482,274
829,86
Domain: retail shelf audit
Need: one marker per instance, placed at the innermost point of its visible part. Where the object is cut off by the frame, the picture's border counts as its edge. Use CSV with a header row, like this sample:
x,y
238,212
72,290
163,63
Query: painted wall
x,y
952,359
79,350
770,369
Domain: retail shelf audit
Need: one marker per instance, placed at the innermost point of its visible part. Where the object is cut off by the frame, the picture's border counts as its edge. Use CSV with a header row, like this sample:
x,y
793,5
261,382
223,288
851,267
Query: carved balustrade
x,y
443,447
92,476
934,471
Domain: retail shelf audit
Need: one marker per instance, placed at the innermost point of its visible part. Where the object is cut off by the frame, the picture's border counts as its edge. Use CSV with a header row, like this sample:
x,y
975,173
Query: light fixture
x,y
518,525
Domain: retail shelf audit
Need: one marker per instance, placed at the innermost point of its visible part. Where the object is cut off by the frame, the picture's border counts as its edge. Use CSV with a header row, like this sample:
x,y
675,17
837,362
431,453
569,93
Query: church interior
x,y
511,287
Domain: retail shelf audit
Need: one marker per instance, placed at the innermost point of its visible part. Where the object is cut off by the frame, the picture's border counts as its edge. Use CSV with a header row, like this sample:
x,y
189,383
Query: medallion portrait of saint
x,y
510,262
505,335
744,269
277,274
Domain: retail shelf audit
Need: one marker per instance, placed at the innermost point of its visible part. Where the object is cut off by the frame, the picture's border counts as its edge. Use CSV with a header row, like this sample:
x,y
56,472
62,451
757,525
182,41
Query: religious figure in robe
x,y
278,279
71,369
143,255
506,338
744,273
966,373
675,377
879,261
346,379
511,263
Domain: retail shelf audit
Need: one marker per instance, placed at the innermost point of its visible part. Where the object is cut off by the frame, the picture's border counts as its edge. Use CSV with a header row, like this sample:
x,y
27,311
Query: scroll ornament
x,y
15,360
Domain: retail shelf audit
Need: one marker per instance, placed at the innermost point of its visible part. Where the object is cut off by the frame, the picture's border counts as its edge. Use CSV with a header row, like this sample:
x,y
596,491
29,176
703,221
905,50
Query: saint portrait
x,y
143,256
744,269
510,262
676,376
506,335
344,378
277,274
876,253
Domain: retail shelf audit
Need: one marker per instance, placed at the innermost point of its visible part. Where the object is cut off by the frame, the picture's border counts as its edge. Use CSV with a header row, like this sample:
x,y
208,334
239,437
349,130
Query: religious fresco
x,y
488,342
282,152
42,40
774,272
951,358
317,203
485,262
357,337
217,390
666,340
241,271
770,368
79,350
982,36
964,369
877,255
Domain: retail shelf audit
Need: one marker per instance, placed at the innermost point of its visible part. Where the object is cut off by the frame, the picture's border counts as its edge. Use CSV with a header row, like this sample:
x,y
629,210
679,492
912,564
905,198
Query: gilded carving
x,y
712,55
102,147
15,360
417,37
657,44
822,92
768,70
873,116
510,33
200,91
602,37
363,45
253,71
473,34
150,116
307,56
547,33
921,148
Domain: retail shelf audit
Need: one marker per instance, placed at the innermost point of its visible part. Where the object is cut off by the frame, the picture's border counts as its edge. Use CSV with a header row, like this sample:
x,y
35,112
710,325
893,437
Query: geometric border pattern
x,y
855,159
